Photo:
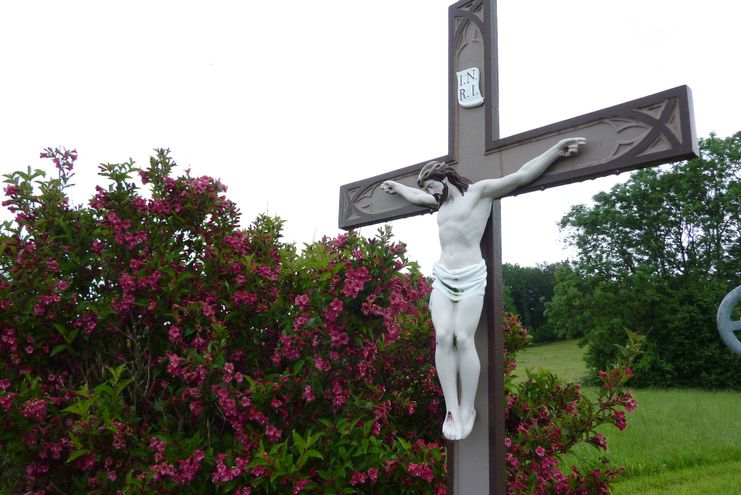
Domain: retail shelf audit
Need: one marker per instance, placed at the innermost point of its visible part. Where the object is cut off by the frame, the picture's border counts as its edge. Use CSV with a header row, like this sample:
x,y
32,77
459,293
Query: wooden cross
x,y
645,132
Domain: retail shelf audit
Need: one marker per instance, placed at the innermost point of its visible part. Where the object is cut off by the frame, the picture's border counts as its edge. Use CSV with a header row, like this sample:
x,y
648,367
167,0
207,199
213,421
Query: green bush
x,y
657,255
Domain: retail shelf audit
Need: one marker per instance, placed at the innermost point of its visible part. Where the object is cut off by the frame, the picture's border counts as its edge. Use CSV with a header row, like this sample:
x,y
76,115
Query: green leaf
x,y
57,349
103,388
300,442
312,453
77,453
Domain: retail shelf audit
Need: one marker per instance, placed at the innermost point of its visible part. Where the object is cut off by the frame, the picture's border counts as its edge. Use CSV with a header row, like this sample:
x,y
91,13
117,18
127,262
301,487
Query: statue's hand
x,y
570,146
389,187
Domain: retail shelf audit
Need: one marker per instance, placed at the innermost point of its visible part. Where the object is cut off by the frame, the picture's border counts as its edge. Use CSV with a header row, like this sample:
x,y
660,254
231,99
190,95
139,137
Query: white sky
x,y
285,101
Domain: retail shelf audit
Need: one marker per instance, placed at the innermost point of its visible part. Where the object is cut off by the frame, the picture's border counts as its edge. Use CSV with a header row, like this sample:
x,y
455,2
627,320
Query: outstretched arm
x,y
531,170
411,194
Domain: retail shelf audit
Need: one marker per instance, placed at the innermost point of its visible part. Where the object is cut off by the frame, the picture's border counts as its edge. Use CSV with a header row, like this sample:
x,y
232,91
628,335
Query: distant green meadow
x,y
677,441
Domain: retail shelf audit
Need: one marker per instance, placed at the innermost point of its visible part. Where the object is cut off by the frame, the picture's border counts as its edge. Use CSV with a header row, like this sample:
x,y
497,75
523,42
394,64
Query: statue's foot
x,y
451,427
467,421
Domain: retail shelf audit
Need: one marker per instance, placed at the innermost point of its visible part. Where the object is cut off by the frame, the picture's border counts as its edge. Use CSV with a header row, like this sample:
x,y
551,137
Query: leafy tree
x,y
657,254
528,289
148,344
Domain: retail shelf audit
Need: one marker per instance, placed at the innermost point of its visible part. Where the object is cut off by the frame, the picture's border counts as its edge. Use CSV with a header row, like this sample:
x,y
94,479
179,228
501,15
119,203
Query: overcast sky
x,y
285,101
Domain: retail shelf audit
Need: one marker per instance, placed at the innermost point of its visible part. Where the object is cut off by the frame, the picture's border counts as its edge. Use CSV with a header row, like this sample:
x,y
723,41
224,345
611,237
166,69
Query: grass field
x,y
562,358
678,442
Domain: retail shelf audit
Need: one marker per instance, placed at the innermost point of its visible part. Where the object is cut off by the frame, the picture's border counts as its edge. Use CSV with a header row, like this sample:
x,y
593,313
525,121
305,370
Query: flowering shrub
x,y
150,345
546,418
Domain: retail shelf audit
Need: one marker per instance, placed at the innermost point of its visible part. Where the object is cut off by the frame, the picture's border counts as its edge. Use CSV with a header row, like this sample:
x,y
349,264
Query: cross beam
x,y
644,132
640,133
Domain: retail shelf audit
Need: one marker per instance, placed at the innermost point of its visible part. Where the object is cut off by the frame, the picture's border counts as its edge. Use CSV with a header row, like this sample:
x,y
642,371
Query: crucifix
x,y
645,132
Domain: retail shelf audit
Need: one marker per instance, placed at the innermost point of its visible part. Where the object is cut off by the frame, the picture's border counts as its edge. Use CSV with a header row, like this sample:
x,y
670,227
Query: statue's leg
x,y
442,311
466,321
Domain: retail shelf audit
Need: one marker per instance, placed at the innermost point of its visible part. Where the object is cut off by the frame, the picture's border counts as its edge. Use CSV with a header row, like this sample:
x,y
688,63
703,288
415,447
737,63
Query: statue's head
x,y
439,171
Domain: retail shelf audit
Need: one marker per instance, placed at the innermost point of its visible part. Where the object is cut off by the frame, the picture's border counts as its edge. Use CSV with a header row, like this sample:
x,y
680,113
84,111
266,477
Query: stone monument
x,y
727,327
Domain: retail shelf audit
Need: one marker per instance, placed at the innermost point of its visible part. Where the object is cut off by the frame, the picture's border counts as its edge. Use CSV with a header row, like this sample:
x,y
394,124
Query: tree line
x,y
656,255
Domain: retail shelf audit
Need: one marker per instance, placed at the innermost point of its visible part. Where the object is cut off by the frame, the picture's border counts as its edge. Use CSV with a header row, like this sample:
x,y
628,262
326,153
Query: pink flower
x,y
308,394
245,298
339,338
539,451
628,401
267,273
85,463
259,471
34,409
302,301
159,448
174,335
422,471
7,402
223,473
174,365
140,203
600,441
355,281
208,310
196,407
619,420
321,364
300,485
273,433
358,478
340,241
11,190
188,468
300,321
333,310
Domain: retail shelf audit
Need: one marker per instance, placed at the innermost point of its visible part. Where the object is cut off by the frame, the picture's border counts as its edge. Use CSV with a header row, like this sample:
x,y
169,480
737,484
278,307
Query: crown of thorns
x,y
435,170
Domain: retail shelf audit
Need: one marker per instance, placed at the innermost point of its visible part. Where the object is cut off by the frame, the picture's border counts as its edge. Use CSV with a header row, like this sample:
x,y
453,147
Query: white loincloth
x,y
460,283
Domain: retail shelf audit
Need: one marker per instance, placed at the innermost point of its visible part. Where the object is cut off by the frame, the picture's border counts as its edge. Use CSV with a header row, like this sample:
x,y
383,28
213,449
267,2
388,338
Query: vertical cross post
x,y
492,245
476,464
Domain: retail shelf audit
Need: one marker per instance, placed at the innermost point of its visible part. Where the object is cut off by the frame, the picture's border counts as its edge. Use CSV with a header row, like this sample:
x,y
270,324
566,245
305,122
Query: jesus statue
x,y
460,275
